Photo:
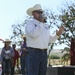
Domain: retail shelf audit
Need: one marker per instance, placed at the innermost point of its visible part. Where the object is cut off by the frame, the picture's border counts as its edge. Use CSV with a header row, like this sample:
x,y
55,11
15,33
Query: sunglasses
x,y
38,12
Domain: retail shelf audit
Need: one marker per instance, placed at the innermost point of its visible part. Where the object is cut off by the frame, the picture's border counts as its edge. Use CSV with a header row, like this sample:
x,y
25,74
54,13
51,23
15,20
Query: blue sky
x,y
14,11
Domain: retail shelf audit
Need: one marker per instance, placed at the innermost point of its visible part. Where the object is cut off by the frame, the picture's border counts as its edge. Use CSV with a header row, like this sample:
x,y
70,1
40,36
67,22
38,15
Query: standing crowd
x,y
33,52
10,57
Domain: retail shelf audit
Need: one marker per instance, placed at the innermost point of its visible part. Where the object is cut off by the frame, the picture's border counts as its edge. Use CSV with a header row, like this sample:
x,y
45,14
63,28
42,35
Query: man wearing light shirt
x,y
38,37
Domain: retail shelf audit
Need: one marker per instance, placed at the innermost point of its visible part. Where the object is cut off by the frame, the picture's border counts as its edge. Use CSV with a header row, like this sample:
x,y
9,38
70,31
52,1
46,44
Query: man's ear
x,y
32,13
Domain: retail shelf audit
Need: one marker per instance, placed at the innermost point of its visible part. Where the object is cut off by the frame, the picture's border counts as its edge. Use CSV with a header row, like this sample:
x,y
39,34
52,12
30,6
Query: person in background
x,y
37,39
0,69
23,53
15,59
7,54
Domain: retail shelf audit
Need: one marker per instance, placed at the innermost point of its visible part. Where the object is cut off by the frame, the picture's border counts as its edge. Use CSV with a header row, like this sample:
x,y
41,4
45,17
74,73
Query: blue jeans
x,y
36,62
6,66
23,64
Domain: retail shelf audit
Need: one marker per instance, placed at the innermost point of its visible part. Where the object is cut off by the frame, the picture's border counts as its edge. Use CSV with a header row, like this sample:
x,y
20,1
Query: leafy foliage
x,y
67,19
54,57
18,30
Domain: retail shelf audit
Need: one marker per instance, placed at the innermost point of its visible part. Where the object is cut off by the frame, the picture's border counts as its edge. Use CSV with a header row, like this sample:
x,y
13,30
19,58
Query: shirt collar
x,y
36,21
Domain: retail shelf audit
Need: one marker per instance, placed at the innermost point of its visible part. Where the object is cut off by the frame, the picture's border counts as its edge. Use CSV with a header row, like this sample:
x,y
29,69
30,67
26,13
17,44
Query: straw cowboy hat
x,y
7,40
35,7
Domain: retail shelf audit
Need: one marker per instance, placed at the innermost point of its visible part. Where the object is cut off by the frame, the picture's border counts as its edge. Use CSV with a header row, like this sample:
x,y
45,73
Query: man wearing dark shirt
x,y
23,53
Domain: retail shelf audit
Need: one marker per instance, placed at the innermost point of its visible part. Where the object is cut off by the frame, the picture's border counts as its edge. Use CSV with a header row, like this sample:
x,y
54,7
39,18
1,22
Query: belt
x,y
37,49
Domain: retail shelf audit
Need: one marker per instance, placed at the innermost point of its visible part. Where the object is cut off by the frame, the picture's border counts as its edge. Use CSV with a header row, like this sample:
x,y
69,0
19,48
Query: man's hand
x,y
60,31
42,20
24,49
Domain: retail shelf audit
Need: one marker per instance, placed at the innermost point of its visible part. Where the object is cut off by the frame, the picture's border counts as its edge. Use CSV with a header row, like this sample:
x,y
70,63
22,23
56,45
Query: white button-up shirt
x,y
38,35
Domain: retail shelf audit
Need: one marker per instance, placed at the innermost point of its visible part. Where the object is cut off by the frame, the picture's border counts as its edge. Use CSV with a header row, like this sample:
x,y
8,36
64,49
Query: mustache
x,y
43,17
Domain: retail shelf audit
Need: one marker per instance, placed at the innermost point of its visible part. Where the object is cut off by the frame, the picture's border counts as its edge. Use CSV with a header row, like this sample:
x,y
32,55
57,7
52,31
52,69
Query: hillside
x,y
57,52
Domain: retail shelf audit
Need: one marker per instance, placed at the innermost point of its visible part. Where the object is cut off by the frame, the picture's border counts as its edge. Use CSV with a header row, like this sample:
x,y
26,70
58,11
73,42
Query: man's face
x,y
37,14
14,46
7,43
24,38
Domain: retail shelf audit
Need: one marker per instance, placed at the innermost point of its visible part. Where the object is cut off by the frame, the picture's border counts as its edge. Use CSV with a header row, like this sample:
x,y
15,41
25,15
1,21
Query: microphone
x,y
42,16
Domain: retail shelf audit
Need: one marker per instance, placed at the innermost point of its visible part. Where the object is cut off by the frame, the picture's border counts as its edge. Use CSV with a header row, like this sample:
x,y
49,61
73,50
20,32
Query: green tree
x,y
54,57
67,19
66,56
18,30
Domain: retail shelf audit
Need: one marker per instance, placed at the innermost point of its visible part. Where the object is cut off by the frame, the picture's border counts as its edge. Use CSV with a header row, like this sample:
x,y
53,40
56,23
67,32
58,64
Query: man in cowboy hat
x,y
37,38
7,40
7,54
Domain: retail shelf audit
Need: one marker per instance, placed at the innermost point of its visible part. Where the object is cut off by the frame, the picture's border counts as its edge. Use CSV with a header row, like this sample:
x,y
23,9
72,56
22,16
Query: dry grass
x,y
58,62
